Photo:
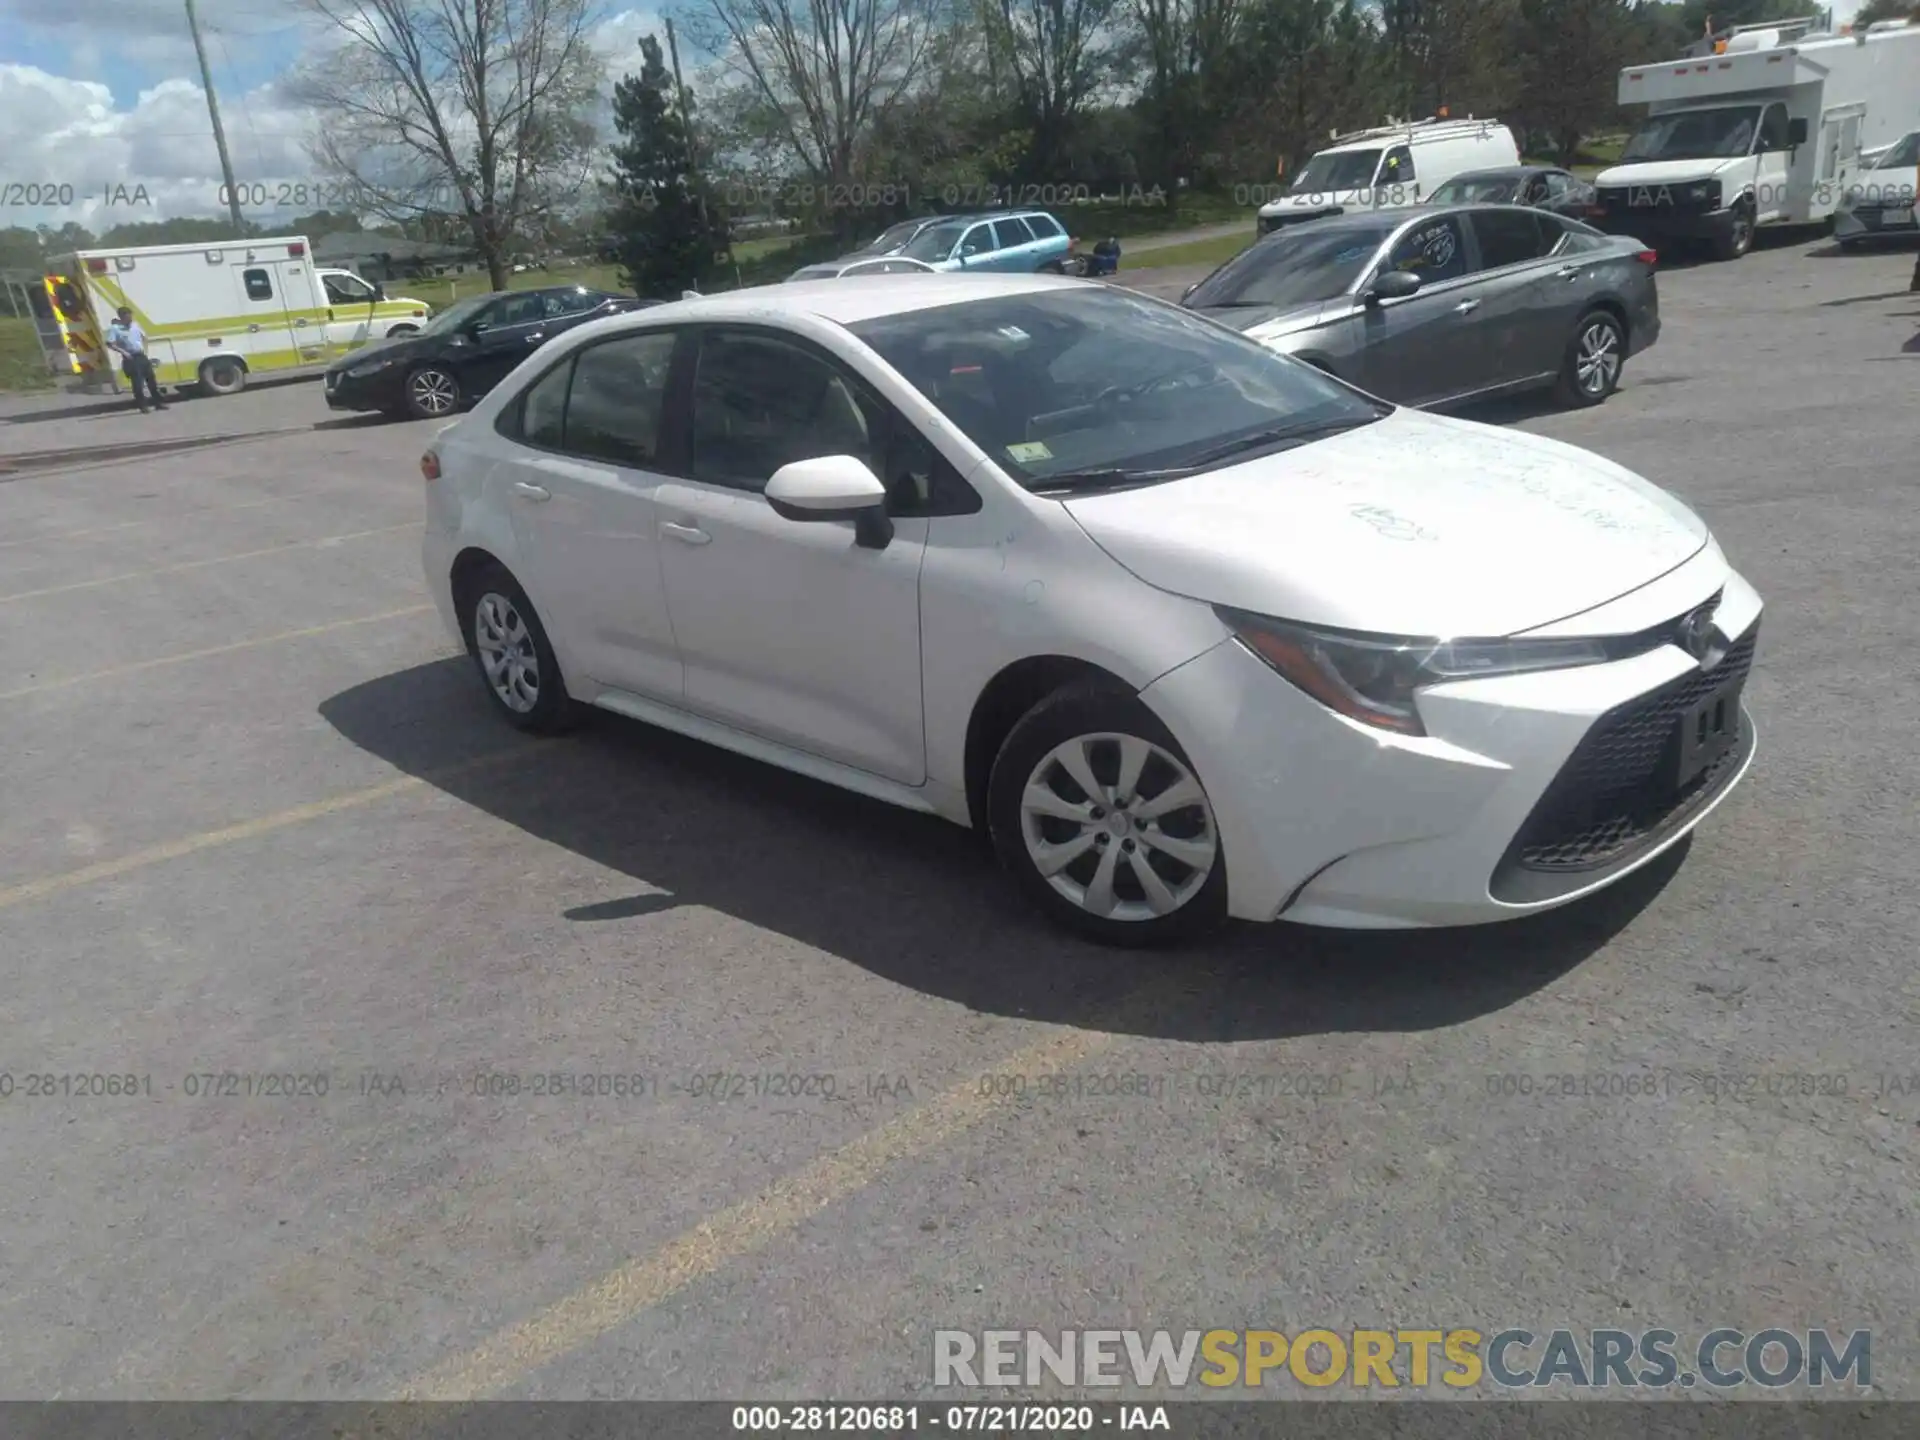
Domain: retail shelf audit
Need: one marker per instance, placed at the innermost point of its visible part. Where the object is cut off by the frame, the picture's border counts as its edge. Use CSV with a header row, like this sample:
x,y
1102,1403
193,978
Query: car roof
x,y
1506,172
851,301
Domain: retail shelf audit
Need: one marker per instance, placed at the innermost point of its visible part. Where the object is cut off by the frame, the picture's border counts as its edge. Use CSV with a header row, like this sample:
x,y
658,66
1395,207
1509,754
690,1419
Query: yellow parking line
x,y
138,665
203,564
232,834
517,1351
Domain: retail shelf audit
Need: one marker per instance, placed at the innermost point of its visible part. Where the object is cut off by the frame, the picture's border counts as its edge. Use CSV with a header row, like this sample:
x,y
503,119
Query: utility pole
x,y
219,135
693,144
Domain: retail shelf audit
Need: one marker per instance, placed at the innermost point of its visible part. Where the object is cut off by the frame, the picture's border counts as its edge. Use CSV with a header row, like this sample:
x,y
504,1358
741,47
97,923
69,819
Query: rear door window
x,y
614,405
1012,231
1508,237
1435,251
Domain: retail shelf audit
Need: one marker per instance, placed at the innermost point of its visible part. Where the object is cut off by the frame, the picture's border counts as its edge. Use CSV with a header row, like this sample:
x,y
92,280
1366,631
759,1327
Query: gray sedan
x,y
1447,304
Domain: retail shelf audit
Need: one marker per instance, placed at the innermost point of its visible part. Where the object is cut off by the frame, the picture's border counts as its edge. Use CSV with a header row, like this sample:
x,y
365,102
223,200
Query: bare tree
x,y
474,107
1054,52
821,74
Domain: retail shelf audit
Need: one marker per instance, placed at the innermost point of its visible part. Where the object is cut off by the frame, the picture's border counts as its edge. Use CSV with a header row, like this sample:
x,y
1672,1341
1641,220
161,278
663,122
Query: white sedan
x,y
1190,629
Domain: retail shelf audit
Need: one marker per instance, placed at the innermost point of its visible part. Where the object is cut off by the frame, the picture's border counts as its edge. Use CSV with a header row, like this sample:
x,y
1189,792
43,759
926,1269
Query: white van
x,y
1388,168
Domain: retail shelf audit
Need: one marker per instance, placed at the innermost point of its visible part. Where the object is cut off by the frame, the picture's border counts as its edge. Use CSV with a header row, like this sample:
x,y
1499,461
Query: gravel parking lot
x,y
258,822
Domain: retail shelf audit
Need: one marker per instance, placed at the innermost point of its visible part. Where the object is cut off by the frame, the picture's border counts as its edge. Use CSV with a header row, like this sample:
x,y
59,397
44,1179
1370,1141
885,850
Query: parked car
x,y
1446,304
1879,201
1024,241
1542,186
1139,598
851,266
1389,167
464,350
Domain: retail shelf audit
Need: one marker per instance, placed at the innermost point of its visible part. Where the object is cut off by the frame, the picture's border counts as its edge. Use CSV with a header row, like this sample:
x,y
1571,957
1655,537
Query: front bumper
x,y
1866,222
1327,822
1656,224
360,393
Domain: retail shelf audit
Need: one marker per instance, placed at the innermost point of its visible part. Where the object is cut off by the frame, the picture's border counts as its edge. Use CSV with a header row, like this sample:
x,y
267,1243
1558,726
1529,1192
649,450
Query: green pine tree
x,y
669,231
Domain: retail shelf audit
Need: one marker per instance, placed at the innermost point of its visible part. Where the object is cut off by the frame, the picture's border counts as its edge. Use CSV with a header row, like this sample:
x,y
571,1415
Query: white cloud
x,y
154,158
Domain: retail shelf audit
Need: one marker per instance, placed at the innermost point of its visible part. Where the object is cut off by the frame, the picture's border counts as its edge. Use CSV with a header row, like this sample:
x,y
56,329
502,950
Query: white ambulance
x,y
217,313
1763,125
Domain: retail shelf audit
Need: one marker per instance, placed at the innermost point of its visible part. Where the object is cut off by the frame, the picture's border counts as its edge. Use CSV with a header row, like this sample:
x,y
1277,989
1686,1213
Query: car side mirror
x,y
1394,285
379,292
833,487
1187,294
1796,133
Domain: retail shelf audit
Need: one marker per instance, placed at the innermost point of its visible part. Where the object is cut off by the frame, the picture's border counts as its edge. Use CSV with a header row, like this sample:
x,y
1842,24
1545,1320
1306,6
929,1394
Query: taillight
x,y
1072,245
1648,257
430,466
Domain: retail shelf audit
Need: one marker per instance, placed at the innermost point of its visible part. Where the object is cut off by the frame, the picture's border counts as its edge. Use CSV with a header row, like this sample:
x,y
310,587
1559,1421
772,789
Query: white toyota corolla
x,y
1188,628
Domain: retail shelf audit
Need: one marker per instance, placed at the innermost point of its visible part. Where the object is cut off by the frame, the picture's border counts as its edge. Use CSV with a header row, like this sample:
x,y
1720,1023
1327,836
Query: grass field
x,y
22,367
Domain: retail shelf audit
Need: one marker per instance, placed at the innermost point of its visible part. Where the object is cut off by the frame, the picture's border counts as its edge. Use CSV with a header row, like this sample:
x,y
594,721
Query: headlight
x,y
372,367
1705,192
1374,678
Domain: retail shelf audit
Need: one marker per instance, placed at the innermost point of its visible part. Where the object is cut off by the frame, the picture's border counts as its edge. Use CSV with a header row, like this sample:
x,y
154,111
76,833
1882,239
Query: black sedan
x,y
1542,186
1435,306
464,351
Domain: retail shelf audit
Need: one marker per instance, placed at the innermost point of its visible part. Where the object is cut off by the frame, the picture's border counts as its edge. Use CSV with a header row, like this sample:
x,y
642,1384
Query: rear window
x,y
1045,226
1012,231
1508,237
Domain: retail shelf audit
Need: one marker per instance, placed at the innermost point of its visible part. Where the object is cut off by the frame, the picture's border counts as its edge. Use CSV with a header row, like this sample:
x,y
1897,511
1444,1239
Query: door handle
x,y
1568,272
687,534
1466,307
300,321
531,492
253,329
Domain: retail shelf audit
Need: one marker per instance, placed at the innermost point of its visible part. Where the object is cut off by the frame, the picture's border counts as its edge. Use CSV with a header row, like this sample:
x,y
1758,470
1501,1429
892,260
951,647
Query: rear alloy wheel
x,y
1595,357
510,647
224,376
432,393
1103,822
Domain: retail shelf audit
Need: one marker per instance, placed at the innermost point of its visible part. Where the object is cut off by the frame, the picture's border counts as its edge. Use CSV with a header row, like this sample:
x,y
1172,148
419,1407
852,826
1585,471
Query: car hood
x,y
401,347
1416,525
1319,200
1664,172
1267,322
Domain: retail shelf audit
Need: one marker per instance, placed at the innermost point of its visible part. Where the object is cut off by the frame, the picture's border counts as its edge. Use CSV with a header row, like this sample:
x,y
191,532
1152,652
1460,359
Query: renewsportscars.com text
x,y
1456,1357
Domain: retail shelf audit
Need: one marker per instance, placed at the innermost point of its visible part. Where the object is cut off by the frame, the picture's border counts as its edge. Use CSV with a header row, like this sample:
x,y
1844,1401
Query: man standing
x,y
129,341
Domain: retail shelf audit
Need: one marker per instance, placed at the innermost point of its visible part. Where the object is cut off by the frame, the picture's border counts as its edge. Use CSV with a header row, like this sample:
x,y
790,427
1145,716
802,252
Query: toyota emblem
x,y
1701,638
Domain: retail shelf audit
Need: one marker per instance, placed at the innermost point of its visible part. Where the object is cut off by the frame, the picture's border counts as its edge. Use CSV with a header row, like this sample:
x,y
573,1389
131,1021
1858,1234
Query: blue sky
x,y
100,93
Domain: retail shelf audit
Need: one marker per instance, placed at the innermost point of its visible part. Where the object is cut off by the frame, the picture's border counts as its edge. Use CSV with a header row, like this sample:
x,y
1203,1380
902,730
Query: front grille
x,y
1613,795
1649,200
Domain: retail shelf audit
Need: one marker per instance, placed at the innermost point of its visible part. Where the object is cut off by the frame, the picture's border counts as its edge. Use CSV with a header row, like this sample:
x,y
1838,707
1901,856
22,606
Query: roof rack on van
x,y
1721,41
1404,129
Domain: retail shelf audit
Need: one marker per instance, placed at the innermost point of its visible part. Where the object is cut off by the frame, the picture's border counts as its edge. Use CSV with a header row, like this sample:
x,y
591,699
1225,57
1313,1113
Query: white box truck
x,y
217,313
1390,167
1764,128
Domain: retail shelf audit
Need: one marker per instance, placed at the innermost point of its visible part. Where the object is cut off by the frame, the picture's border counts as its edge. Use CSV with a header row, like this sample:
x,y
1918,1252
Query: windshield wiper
x,y
1111,478
1279,435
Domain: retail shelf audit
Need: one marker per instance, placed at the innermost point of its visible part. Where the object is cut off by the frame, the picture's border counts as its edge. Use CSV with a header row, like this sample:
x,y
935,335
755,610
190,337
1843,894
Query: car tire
x,y
1065,848
433,392
397,331
1596,357
222,375
1738,238
512,654
1849,246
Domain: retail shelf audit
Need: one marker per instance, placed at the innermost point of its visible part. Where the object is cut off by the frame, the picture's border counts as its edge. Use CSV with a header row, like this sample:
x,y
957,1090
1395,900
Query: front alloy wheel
x,y
432,393
1103,821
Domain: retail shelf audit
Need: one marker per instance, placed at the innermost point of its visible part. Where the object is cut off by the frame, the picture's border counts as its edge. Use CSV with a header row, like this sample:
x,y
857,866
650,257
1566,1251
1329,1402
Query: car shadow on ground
x,y
915,900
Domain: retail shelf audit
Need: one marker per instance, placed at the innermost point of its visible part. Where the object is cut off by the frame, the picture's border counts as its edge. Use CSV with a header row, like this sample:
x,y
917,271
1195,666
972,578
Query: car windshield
x,y
456,315
894,236
1079,384
1902,155
1694,135
1475,190
935,243
1295,267
1337,170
